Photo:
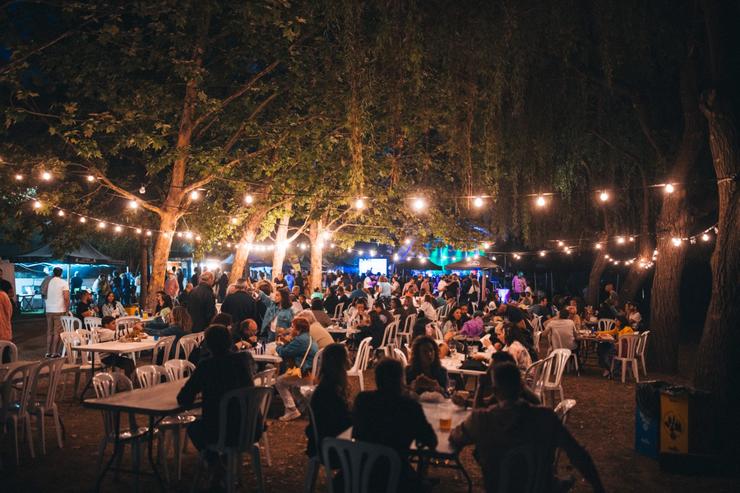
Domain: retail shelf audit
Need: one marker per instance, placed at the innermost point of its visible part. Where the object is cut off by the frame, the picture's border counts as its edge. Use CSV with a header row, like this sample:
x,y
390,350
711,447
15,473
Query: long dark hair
x,y
285,302
416,348
333,372
166,301
450,318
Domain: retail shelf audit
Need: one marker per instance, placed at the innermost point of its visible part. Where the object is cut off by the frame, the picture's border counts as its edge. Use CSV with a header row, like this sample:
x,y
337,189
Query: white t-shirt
x,y
55,295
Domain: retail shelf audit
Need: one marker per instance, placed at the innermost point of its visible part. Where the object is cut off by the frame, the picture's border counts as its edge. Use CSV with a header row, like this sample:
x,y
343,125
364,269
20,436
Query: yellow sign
x,y
674,424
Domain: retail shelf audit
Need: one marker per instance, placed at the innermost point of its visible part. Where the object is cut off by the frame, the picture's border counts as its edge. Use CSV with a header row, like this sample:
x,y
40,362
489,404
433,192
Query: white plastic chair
x,y
70,324
12,350
408,326
125,324
627,354
14,411
177,369
150,375
553,373
164,345
537,323
93,322
390,336
436,331
253,404
105,384
562,410
47,406
358,459
606,323
338,311
641,346
316,369
186,345
362,359
73,356
400,356
266,378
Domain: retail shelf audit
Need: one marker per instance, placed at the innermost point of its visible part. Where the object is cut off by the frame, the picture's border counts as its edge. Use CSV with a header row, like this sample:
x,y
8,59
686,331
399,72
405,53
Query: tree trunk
x,y
281,246
317,252
144,244
161,253
637,274
719,349
665,320
249,234
597,269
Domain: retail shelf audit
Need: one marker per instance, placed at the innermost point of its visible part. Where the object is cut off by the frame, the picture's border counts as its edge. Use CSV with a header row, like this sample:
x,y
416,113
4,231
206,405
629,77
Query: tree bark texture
x,y
278,254
160,255
317,252
249,234
637,275
594,277
144,249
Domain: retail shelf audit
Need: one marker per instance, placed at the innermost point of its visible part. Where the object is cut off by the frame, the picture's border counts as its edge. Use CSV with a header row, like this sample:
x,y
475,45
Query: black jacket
x,y
241,306
201,306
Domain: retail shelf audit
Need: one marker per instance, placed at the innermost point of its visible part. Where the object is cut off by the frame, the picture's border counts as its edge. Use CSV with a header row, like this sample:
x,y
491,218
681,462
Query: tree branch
x,y
234,138
125,193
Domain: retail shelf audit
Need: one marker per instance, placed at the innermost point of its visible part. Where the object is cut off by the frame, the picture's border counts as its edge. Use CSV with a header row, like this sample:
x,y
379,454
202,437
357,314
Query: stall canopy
x,y
416,264
84,254
472,264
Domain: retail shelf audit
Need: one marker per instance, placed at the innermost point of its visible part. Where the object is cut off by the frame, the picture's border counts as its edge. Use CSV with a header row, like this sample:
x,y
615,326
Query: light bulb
x,y
148,233
359,204
620,240
248,199
83,220
60,213
349,250
118,229
326,235
37,204
423,260
333,245
395,257
669,188
234,220
360,252
478,202
560,243
542,253
46,176
90,178
607,257
540,201
676,241
197,238
142,190
493,258
632,239
604,196
407,241
189,235
418,204
486,246
705,237
408,259
302,246
138,231
568,251
179,234
598,246
372,253
194,195
228,244
101,225
19,177
132,204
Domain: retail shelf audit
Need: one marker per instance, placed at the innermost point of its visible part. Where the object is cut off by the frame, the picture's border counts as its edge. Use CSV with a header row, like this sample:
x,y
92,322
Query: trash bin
x,y
687,430
647,417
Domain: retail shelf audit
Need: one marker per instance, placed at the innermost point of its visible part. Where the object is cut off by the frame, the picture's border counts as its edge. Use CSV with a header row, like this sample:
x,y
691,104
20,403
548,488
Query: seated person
x,y
178,323
513,423
85,306
330,400
245,336
389,417
453,324
362,322
299,348
607,348
515,347
164,305
318,332
223,372
561,331
484,391
317,307
107,332
112,307
425,372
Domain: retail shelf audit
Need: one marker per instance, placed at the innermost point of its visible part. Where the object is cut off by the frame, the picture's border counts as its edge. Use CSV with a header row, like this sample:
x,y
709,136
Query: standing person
x,y
201,302
137,287
195,278
278,310
171,285
223,284
180,279
102,286
6,314
612,298
75,284
57,304
240,304
518,285
513,423
388,416
125,288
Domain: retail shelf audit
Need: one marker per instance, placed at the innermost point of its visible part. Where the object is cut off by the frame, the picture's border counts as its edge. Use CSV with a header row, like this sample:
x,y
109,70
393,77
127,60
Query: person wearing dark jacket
x,y
240,304
390,417
223,372
202,302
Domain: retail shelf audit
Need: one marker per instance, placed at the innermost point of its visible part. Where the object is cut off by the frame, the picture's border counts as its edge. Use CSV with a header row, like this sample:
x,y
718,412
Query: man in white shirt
x,y
562,331
57,304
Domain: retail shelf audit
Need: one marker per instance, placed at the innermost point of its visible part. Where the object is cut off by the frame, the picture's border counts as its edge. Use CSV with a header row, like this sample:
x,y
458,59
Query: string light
x,y
705,237
37,204
194,195
423,260
540,201
486,246
90,178
372,253
118,229
542,253
142,190
19,177
133,204
560,243
632,239
60,213
360,252
407,241
669,188
138,231
46,176
148,233
598,246
83,220
326,235
478,202
604,196
359,204
620,240
101,225
234,220
676,241
395,257
248,199
568,251
418,204
189,235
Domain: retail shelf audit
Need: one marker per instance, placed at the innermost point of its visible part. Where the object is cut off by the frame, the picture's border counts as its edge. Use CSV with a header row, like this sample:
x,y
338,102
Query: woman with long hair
x,y
164,305
279,310
330,400
425,372
112,307
179,324
453,323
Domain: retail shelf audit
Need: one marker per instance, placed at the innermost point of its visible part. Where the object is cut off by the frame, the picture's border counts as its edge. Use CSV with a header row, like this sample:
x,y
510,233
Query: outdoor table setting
x,y
155,402
7,368
588,341
444,416
266,353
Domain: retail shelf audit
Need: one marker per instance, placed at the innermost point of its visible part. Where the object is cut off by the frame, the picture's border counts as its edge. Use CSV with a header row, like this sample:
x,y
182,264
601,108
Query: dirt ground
x,y
603,420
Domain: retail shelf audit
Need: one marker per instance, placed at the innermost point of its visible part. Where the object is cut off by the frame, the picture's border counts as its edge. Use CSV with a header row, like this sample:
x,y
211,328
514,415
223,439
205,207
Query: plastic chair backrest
x,y
537,323
362,358
69,341
265,378
70,324
534,375
390,334
19,381
606,323
556,366
86,336
408,324
105,385
53,372
150,375
535,478
316,369
253,404
314,430
627,346
177,369
186,345
338,310
164,345
400,356
358,461
12,350
124,324
643,343
93,322
563,408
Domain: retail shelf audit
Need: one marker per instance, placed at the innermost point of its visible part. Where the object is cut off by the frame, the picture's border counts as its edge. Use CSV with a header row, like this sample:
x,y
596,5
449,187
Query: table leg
x,y
89,382
151,454
116,449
